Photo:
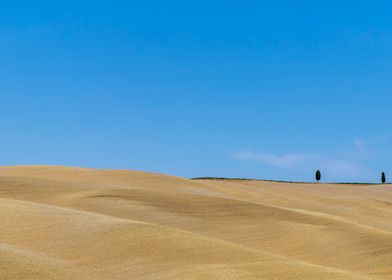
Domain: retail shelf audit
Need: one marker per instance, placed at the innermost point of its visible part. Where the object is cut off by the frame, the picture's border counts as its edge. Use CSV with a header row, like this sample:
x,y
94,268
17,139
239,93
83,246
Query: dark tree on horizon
x,y
383,178
318,175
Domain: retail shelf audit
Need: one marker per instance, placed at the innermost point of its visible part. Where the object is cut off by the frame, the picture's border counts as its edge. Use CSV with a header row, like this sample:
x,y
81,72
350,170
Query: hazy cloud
x,y
361,148
360,144
344,165
286,161
341,168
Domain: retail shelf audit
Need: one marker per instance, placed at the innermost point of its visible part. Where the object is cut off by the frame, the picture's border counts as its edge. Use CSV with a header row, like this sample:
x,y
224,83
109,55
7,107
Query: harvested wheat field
x,y
74,223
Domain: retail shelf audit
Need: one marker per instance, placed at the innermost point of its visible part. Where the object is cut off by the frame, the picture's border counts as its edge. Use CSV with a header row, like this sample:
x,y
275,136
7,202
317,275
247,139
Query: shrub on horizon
x,y
318,175
383,178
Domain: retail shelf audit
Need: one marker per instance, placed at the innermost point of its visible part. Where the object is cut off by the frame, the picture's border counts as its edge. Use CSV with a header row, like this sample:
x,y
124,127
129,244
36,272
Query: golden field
x,y
74,223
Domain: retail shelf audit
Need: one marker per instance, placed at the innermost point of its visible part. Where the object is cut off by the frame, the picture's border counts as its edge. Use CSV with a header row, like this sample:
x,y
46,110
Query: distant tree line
x,y
317,177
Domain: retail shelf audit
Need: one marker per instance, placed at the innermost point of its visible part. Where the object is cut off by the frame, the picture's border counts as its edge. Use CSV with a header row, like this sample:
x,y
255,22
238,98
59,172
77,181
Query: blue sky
x,y
205,88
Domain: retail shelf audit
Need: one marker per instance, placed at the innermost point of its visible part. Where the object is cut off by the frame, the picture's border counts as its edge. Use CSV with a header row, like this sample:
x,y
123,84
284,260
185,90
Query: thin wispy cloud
x,y
345,165
360,144
341,168
284,161
361,148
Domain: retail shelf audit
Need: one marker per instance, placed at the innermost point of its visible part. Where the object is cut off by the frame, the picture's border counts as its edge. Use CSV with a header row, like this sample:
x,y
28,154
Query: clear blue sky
x,y
261,89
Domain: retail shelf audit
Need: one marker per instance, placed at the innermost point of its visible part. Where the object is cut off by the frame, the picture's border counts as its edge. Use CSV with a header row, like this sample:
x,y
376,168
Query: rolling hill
x,y
75,223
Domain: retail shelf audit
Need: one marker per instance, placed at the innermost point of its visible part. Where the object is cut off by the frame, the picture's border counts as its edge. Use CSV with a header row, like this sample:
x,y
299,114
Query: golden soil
x,y
74,223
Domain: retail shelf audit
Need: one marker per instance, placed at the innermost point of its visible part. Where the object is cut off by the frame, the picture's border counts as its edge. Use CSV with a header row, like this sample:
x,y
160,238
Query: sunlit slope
x,y
73,223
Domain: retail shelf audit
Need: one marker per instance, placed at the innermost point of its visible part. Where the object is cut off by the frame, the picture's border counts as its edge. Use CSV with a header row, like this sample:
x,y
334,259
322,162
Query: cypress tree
x,y
318,175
